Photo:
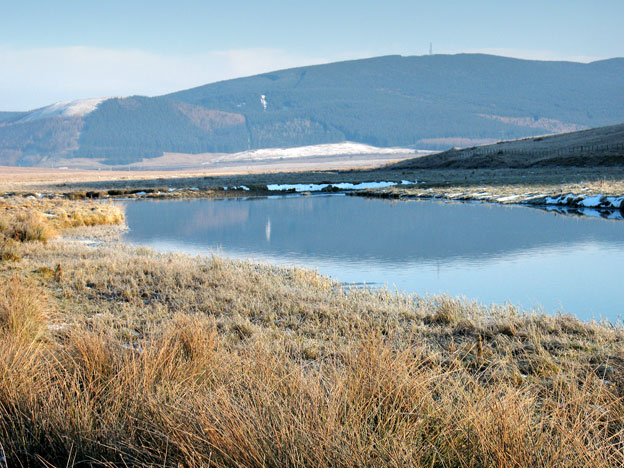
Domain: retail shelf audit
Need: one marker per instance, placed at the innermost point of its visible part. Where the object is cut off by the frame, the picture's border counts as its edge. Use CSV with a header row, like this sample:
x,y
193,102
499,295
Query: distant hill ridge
x,y
428,102
602,146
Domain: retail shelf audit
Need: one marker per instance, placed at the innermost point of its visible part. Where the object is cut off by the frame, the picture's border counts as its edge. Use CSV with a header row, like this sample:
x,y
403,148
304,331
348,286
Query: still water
x,y
489,253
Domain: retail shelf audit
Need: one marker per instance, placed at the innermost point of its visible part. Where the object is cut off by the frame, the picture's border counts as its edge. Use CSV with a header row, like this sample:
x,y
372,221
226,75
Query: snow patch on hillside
x,y
332,149
78,108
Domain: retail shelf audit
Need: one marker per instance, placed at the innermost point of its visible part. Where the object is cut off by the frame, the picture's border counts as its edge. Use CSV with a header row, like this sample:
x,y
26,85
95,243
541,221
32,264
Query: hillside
x,y
425,102
603,146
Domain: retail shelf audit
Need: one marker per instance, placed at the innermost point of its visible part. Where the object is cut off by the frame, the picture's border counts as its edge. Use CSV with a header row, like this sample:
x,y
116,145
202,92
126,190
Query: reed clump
x,y
30,219
27,227
9,249
23,312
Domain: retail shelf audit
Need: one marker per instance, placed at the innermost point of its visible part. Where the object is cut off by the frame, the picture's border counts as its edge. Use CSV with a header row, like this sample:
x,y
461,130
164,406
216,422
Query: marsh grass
x,y
9,249
28,227
22,311
28,220
184,395
133,358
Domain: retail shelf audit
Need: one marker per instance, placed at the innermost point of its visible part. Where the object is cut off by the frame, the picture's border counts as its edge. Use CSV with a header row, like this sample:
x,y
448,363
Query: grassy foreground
x,y
117,356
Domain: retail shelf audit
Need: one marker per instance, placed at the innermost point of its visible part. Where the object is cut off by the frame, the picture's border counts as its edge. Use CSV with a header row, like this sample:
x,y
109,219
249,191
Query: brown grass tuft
x,y
9,250
27,220
22,311
183,397
29,227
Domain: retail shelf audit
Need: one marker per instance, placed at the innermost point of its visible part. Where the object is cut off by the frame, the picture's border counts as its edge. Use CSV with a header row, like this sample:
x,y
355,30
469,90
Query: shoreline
x,y
585,202
566,188
599,205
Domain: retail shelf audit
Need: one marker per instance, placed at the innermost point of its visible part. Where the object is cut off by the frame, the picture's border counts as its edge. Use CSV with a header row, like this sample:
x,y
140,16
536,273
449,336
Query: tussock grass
x,y
183,394
23,312
28,220
9,249
29,227
133,358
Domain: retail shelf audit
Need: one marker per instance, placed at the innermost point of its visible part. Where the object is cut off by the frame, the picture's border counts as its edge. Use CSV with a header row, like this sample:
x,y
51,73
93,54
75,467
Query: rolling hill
x,y
427,102
603,146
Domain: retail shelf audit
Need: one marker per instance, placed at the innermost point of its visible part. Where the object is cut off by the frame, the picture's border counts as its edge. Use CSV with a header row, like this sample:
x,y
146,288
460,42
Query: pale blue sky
x,y
60,50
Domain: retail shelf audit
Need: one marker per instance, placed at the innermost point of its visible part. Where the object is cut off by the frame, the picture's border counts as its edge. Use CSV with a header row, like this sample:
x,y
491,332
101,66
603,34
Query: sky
x,y
64,50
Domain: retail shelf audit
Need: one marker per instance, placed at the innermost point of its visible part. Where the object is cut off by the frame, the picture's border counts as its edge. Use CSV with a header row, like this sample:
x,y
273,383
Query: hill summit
x,y
426,102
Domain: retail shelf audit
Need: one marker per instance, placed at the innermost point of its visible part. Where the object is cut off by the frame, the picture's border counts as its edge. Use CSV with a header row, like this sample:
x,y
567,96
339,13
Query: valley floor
x,y
115,355
567,189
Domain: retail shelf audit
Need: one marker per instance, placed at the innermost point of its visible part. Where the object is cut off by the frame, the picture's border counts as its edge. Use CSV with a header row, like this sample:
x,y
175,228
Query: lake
x,y
485,252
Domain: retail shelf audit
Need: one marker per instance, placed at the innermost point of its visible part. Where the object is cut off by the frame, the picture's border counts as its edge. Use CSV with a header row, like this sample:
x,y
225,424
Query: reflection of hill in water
x,y
361,229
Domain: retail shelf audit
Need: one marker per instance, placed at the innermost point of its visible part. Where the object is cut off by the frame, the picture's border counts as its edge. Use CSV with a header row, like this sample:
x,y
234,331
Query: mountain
x,y
428,102
603,146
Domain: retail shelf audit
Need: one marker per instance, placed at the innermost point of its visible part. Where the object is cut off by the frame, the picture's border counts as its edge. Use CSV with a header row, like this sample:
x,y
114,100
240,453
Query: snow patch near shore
x,y
594,201
616,202
341,186
560,200
509,198
591,201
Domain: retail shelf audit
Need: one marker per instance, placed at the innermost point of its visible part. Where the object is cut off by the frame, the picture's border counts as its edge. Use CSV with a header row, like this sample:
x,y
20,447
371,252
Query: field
x,y
188,167
112,355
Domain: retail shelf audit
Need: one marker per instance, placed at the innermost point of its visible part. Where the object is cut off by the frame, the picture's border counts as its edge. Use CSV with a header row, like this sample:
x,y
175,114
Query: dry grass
x,y
9,249
27,220
22,312
27,227
130,358
184,394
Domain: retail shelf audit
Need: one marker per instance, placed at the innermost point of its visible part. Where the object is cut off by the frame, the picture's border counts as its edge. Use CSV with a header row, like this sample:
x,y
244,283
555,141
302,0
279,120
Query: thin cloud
x,y
34,78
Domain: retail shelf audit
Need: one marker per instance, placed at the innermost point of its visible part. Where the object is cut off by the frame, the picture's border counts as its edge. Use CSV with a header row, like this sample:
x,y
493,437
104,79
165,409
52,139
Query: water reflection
x,y
490,253
267,230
